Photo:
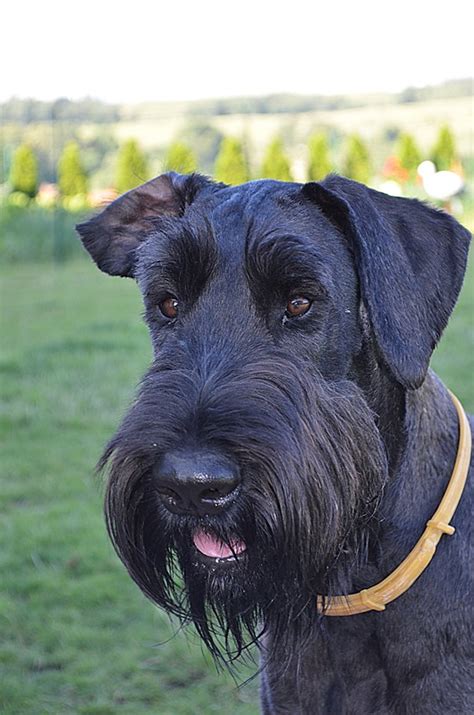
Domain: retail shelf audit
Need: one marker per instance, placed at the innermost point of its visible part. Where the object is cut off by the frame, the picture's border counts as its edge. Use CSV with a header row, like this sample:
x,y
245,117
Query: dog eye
x,y
169,307
298,305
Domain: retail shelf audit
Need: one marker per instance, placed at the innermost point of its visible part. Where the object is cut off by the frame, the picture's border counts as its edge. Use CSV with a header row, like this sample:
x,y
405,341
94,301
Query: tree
x,y
357,160
180,158
72,178
24,171
408,154
275,162
444,152
319,164
231,164
132,168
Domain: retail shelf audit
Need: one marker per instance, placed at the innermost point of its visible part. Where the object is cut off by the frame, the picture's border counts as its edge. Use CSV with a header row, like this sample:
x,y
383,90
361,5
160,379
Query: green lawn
x,y
76,635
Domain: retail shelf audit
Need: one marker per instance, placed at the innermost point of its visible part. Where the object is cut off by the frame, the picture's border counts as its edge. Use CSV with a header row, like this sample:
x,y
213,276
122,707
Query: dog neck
x,y
429,416
430,439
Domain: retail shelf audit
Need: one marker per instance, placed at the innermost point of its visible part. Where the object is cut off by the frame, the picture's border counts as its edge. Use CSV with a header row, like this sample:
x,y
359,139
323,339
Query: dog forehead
x,y
233,224
240,216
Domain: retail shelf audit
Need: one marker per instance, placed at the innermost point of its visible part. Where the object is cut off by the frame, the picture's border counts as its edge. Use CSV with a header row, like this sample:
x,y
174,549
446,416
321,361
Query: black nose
x,y
196,482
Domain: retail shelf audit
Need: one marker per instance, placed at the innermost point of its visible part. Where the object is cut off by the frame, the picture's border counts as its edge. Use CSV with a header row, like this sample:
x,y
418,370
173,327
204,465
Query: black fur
x,y
344,443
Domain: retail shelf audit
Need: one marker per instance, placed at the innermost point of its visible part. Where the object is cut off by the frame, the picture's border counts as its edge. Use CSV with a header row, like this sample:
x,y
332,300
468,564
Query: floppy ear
x,y
113,235
410,259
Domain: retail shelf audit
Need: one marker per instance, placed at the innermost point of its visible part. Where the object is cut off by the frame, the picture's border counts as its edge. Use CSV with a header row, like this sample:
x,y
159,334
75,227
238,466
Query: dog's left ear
x,y
113,236
410,259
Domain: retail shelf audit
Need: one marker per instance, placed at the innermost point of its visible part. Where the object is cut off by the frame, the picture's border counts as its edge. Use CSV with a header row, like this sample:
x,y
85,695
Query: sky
x,y
153,50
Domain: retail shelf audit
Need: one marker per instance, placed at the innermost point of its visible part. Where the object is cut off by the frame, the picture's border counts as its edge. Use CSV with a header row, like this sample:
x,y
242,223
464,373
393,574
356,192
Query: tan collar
x,y
400,580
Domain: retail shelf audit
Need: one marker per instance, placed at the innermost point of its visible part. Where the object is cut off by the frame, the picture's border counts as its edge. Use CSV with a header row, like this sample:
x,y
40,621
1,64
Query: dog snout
x,y
199,483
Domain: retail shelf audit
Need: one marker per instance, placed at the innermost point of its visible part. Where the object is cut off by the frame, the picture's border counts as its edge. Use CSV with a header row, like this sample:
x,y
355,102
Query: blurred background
x,y
95,99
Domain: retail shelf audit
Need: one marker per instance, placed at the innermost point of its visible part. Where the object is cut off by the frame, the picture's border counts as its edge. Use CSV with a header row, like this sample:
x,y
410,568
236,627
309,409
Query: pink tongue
x,y
214,547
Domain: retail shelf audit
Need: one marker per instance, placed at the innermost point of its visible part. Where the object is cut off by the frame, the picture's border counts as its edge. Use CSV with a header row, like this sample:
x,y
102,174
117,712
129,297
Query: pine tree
x,y
180,158
24,171
408,154
444,152
132,169
275,162
357,160
72,178
231,164
319,164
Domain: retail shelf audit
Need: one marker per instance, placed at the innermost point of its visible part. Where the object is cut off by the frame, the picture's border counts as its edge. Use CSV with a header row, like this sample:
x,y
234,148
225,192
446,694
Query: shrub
x,y
132,168
319,164
444,152
24,172
408,154
231,164
275,163
180,158
72,178
357,160
18,199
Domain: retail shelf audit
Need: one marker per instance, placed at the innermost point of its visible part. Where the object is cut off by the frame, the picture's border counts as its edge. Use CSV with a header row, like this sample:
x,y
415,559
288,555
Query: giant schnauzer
x,y
288,443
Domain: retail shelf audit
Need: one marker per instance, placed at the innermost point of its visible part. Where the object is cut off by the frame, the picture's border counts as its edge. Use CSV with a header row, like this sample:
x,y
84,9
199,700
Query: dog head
x,y
246,476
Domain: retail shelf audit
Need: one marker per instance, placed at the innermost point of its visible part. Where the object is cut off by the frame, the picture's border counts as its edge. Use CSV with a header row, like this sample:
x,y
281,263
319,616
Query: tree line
x,y
89,109
231,165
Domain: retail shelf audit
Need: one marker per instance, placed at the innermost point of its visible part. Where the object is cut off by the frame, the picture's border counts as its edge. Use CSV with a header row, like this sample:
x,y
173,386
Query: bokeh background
x,y
95,98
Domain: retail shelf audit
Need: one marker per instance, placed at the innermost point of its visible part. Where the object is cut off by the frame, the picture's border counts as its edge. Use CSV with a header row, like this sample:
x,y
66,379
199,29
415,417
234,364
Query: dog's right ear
x,y
113,236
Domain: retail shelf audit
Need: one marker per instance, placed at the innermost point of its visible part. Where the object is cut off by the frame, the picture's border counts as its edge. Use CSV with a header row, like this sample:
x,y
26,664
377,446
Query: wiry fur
x,y
319,482
343,444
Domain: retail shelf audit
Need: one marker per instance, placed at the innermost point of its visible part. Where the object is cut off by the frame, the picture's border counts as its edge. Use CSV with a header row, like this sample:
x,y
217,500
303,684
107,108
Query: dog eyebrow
x,y
285,262
178,259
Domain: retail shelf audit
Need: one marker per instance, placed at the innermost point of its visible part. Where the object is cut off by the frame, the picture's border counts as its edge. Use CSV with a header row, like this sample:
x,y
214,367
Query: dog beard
x,y
313,468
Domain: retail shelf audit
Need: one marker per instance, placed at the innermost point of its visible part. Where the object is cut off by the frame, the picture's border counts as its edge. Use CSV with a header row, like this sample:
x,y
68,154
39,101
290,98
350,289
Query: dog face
x,y
247,474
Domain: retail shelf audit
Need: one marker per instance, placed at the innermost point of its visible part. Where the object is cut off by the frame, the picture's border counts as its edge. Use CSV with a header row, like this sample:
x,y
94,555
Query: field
x,y
76,635
422,119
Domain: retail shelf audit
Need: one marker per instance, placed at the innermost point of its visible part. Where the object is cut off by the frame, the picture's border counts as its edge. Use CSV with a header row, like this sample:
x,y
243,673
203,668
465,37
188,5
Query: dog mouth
x,y
216,550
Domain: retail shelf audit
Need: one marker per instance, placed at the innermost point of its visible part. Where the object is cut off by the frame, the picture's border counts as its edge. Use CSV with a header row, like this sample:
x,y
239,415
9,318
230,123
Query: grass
x,y
36,234
76,636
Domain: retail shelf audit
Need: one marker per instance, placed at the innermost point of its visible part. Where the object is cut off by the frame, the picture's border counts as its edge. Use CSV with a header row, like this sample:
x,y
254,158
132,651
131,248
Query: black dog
x,y
287,440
